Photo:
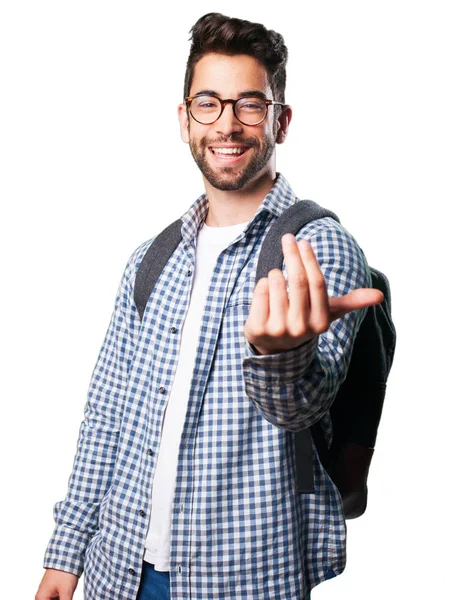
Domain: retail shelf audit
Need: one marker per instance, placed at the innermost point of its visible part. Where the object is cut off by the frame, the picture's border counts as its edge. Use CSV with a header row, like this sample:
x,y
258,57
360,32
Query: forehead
x,y
229,76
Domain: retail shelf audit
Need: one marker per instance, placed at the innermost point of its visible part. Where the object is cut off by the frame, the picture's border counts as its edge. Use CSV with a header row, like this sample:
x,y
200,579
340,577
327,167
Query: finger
x,y
299,303
259,309
278,298
319,316
359,298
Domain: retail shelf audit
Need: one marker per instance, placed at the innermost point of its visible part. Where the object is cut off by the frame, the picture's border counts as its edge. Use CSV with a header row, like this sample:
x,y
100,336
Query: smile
x,y
228,153
236,150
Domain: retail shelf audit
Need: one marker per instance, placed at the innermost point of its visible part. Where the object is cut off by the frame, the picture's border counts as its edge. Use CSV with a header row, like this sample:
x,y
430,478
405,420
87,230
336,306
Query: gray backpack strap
x,y
271,257
290,221
154,261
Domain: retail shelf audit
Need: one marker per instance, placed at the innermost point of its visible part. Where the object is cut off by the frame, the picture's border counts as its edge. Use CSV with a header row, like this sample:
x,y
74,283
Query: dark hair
x,y
215,32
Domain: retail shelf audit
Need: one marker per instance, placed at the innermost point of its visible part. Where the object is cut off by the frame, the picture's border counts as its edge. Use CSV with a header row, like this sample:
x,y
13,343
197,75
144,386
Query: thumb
x,y
354,300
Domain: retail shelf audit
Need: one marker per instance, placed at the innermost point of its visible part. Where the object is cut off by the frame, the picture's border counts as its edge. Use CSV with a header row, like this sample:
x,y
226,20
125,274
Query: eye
x,y
205,103
252,105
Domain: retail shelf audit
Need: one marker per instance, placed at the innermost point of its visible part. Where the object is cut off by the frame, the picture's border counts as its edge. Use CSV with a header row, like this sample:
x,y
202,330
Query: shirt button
x,y
142,513
162,389
150,451
173,329
131,571
179,569
189,273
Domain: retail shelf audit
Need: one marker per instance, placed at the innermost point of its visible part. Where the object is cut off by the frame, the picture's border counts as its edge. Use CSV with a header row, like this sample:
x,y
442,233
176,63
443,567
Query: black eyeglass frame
x,y
223,103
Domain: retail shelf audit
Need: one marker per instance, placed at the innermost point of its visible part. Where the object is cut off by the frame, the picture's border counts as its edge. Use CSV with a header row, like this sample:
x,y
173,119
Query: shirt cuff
x,y
279,368
65,551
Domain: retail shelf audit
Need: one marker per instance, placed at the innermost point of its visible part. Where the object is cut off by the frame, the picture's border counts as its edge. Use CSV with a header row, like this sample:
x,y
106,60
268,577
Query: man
x,y
184,480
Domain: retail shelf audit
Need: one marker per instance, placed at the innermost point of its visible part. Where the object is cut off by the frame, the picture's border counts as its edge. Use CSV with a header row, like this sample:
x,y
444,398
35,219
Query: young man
x,y
184,478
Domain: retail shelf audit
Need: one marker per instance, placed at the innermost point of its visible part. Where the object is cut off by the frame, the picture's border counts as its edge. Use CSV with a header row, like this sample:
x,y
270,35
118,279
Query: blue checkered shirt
x,y
240,529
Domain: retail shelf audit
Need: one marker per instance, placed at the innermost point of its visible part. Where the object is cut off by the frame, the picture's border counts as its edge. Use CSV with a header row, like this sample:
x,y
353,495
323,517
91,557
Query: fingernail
x,y
304,244
288,238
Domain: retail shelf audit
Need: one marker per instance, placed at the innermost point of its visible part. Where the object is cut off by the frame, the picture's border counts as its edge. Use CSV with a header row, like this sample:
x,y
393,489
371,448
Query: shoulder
x,y
329,233
323,228
337,249
138,254
133,263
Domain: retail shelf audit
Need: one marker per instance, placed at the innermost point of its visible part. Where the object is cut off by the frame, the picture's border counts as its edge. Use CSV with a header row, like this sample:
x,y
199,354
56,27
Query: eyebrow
x,y
247,94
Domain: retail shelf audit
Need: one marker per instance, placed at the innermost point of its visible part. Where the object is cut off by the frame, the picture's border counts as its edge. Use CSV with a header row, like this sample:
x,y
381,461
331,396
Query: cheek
x,y
198,134
270,134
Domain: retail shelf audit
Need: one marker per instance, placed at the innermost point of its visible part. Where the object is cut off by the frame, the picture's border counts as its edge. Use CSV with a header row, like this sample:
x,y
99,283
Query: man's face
x,y
230,77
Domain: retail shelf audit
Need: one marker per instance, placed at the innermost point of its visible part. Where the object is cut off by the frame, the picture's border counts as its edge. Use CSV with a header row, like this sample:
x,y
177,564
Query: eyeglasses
x,y
249,111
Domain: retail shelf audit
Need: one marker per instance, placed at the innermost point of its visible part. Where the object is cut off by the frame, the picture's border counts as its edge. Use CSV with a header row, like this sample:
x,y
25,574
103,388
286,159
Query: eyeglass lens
x,y
250,111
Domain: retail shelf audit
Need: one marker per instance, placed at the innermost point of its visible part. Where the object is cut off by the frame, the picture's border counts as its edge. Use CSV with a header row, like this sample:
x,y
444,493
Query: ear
x,y
183,118
283,124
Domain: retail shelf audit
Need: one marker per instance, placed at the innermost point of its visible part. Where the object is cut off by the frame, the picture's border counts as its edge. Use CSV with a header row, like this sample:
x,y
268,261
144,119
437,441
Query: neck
x,y
230,207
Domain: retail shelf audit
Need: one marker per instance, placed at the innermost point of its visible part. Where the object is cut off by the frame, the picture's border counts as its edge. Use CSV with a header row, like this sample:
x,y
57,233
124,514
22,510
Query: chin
x,y
232,183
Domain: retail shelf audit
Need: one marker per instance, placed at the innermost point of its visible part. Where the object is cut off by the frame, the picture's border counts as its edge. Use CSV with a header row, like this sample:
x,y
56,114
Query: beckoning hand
x,y
278,322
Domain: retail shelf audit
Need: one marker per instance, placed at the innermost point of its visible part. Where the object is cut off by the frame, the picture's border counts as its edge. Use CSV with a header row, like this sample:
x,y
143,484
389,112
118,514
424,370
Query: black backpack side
x,y
358,404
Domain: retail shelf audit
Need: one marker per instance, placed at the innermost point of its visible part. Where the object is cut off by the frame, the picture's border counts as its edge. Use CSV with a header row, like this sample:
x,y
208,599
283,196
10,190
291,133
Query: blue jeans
x,y
155,585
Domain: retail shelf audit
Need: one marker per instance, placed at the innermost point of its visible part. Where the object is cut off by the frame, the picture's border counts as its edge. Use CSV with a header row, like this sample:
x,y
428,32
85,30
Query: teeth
x,y
228,150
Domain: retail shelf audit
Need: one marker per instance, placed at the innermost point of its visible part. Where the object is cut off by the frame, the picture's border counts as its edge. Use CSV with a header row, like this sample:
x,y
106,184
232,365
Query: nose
x,y
228,123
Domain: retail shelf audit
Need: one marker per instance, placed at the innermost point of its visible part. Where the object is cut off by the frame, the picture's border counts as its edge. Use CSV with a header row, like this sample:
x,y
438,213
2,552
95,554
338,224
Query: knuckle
x,y
297,330
321,325
318,283
276,329
259,332
299,279
324,326
254,330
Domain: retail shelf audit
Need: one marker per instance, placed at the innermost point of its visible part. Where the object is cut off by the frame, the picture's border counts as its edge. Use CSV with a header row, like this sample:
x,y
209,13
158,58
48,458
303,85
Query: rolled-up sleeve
x,y
295,388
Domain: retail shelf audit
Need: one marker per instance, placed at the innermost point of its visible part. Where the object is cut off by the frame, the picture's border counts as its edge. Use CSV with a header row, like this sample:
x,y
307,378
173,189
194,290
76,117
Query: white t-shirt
x,y
210,243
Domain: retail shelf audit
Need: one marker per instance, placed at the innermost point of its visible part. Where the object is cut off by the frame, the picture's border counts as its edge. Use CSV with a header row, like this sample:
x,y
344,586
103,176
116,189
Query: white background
x,y
92,165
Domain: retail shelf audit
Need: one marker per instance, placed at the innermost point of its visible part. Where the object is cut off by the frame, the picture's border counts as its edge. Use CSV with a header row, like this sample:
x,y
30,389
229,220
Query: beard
x,y
229,178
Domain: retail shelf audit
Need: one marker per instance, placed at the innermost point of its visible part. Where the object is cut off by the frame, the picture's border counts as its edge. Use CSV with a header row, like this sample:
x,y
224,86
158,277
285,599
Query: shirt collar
x,y
279,198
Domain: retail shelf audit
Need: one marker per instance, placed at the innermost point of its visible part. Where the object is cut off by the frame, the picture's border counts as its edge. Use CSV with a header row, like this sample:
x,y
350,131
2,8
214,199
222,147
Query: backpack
x,y
356,409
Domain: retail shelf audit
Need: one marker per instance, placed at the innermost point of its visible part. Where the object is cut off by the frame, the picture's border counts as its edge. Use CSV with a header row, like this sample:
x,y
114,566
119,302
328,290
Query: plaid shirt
x,y
240,529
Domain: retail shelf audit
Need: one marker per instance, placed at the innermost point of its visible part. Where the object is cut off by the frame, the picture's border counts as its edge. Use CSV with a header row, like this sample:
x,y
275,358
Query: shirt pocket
x,y
242,292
